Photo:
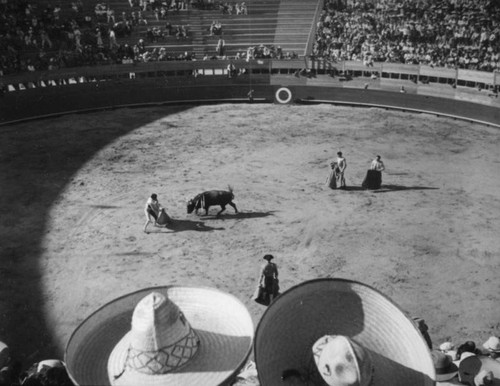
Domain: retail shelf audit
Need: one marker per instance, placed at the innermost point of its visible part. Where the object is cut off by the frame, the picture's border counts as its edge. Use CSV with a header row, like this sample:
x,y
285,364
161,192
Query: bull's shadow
x,y
186,225
235,216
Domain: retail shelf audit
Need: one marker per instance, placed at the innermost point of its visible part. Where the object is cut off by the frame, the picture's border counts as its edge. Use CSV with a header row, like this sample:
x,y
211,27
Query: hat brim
x,y
448,374
445,377
491,350
300,316
471,366
222,322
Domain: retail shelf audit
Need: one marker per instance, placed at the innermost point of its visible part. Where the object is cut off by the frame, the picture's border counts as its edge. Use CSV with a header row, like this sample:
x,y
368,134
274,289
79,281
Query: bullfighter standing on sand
x,y
342,164
152,210
373,179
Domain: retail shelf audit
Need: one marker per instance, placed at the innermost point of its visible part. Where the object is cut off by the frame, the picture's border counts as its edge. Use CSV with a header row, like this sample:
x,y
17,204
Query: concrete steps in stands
x,y
285,23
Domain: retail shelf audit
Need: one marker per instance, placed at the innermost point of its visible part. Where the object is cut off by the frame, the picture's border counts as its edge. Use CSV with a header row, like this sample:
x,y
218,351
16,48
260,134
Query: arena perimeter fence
x,y
463,94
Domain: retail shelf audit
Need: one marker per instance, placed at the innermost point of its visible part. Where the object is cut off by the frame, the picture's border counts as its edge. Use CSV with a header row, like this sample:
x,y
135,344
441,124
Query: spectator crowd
x,y
441,33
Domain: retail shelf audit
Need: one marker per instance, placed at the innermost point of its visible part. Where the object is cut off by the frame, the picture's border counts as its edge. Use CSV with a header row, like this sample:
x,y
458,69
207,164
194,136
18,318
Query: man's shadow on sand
x,y
395,188
388,188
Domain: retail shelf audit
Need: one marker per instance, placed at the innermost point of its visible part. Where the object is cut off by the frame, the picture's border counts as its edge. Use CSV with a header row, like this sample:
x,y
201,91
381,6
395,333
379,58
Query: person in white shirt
x,y
152,210
377,164
373,179
342,165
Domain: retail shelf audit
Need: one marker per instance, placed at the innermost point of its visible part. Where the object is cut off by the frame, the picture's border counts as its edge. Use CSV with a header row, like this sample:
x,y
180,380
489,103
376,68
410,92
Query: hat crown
x,y
161,339
441,360
493,343
156,323
342,362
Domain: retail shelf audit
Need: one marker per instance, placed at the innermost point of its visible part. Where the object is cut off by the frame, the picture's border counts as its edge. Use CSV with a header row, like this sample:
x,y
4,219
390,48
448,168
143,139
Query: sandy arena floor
x,y
73,188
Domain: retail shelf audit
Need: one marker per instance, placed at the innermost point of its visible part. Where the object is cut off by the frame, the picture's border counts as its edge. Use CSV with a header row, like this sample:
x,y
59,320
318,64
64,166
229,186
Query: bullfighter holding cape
x,y
155,213
268,285
373,179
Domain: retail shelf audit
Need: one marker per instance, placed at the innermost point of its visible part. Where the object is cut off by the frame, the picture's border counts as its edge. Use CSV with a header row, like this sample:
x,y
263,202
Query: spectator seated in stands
x,y
437,33
168,30
100,11
243,9
215,28
226,8
123,29
180,32
140,19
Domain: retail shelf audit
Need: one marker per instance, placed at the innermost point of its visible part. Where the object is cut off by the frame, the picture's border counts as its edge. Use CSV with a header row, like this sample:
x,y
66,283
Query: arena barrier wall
x,y
458,93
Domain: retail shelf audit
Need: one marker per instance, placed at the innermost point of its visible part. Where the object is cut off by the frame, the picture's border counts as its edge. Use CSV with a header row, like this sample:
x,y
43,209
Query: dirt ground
x,y
73,188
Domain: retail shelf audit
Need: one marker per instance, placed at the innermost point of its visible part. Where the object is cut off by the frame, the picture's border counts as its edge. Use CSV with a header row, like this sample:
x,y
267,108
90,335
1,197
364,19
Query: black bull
x,y
210,198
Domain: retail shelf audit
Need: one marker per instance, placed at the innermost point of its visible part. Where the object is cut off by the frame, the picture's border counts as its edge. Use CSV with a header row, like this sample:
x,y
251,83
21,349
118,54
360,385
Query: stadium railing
x,y
171,81
416,73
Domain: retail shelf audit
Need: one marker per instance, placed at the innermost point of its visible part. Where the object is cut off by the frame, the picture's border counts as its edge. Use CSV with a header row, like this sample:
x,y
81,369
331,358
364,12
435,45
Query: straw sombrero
x,y
163,335
296,330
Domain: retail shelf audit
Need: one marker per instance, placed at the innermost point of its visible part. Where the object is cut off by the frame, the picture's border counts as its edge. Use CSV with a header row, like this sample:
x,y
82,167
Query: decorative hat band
x,y
166,359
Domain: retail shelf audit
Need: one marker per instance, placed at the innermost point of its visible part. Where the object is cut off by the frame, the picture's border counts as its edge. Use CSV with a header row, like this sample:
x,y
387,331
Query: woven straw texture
x,y
220,320
299,317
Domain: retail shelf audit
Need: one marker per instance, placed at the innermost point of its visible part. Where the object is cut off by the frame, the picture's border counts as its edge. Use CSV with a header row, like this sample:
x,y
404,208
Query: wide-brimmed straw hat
x,y
170,335
375,334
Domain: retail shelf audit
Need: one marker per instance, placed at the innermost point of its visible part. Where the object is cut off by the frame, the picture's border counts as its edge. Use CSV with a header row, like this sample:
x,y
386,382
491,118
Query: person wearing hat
x,y
478,370
492,347
339,332
269,279
171,335
467,347
47,372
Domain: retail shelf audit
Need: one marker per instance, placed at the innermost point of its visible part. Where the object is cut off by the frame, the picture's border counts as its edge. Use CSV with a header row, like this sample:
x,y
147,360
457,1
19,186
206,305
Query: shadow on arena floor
x,y
37,160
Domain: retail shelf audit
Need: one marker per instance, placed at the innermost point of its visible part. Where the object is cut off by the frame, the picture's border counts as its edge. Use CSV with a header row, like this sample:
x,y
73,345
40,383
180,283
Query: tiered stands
x,y
284,23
